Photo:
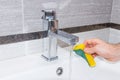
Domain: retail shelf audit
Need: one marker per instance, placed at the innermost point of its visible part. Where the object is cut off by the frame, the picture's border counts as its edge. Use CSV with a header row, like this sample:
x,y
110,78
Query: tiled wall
x,y
70,12
115,16
10,17
85,12
23,16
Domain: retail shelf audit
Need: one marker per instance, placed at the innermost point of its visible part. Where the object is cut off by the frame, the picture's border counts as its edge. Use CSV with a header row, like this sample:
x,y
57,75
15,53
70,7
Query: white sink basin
x,y
34,67
103,71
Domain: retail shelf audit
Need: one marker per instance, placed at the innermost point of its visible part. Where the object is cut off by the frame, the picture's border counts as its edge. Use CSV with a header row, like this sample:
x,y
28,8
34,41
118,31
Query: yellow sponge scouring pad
x,y
79,50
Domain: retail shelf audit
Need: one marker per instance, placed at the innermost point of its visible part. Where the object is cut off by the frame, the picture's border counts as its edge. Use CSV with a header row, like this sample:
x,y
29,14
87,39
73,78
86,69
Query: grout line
x,y
23,26
111,10
23,18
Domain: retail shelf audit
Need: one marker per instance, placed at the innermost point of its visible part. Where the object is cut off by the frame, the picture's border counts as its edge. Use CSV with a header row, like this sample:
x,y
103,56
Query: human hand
x,y
97,47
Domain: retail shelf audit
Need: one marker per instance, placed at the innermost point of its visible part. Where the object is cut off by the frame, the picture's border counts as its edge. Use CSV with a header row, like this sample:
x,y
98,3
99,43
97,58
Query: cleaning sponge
x,y
79,50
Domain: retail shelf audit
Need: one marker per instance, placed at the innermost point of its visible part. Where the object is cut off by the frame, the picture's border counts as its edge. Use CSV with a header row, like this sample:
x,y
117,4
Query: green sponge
x,y
80,53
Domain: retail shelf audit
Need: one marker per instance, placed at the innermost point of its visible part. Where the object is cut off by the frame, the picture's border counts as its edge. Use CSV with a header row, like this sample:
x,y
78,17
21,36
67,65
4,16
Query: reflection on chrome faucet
x,y
50,24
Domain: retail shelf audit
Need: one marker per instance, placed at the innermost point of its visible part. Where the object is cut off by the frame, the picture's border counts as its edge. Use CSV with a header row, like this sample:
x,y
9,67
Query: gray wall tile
x,y
115,18
77,20
10,17
70,12
24,16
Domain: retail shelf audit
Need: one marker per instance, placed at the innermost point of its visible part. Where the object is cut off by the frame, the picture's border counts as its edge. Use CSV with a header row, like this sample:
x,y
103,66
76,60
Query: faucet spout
x,y
66,37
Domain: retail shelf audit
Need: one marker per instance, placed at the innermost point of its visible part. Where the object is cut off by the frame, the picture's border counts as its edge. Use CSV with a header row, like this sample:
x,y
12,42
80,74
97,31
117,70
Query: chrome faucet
x,y
50,24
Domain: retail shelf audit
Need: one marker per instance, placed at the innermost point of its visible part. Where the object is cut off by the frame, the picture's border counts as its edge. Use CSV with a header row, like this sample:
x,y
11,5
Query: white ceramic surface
x,y
34,67
103,71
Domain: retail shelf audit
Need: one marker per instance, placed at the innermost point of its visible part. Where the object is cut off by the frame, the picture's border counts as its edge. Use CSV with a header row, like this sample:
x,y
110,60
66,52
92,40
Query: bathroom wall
x,y
115,16
70,13
24,16
10,17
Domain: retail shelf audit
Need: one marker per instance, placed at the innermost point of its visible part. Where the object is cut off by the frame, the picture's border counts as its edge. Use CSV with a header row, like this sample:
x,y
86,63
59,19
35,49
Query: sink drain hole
x,y
59,71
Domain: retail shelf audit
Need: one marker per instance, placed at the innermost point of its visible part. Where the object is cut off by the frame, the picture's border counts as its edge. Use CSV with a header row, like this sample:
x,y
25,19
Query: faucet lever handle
x,y
49,14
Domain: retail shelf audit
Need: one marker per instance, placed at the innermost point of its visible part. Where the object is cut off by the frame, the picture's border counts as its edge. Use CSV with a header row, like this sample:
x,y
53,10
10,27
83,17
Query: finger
x,y
87,42
94,55
90,50
92,41
91,45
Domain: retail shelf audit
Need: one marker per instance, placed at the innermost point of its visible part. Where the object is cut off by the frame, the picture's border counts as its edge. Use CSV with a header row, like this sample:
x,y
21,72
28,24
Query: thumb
x,y
90,50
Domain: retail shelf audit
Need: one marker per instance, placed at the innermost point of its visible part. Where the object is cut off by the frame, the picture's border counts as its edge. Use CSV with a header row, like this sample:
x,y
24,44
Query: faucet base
x,y
49,59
